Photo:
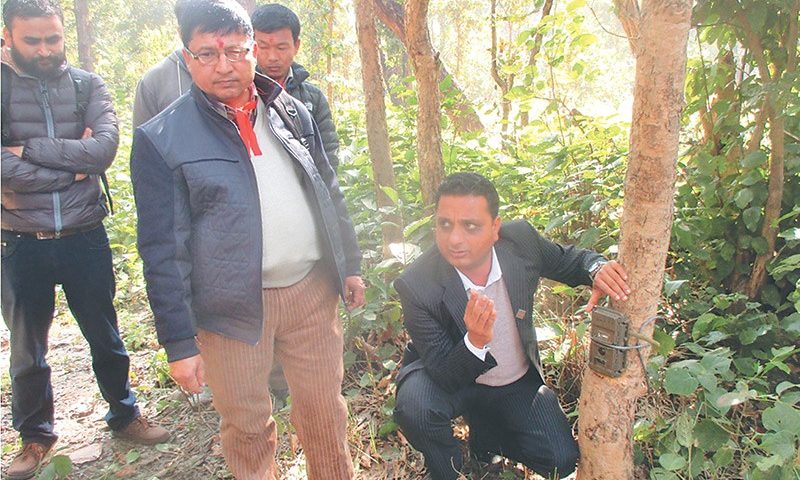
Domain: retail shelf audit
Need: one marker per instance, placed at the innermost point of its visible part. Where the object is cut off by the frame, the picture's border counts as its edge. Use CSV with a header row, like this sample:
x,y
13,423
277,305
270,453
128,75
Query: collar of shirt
x,y
288,80
495,274
229,112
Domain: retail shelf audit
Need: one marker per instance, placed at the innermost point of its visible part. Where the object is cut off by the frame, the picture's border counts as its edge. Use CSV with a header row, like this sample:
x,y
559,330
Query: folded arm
x,y
92,154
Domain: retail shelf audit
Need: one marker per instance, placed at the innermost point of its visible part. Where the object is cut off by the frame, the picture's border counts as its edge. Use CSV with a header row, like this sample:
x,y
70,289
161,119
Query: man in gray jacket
x,y
59,136
163,83
277,32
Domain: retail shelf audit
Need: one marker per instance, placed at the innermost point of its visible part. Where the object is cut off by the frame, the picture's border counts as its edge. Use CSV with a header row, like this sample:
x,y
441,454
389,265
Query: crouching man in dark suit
x,y
467,306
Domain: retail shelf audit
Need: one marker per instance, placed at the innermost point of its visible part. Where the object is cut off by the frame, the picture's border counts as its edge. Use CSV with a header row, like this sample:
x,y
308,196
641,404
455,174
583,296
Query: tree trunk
x,y
462,114
84,29
424,63
537,46
377,130
774,108
607,405
503,83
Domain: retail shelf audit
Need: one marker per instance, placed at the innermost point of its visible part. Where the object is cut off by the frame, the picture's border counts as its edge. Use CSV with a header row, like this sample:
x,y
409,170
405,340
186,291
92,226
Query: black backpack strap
x,y
297,120
4,115
82,81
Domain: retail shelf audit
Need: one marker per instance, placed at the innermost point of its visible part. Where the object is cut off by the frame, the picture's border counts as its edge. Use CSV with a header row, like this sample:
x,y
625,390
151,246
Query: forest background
x,y
536,95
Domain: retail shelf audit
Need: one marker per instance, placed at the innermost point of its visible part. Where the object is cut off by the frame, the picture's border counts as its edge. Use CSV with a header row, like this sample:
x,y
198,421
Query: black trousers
x,y
521,421
31,269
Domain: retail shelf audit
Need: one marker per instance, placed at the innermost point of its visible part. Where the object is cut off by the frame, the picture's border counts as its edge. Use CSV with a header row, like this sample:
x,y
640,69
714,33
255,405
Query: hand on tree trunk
x,y
611,280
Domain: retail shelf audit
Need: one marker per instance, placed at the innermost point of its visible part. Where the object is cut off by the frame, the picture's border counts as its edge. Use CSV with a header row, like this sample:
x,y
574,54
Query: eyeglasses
x,y
211,57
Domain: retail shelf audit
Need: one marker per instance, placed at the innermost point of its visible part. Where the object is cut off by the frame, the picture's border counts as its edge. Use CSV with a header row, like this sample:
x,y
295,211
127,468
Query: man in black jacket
x,y
277,32
59,136
247,246
467,306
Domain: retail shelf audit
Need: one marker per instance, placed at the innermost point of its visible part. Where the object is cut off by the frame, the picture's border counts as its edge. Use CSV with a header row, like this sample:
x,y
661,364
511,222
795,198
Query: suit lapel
x,y
454,297
515,276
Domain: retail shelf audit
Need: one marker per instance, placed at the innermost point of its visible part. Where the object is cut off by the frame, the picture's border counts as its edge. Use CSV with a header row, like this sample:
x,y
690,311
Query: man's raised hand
x,y
479,318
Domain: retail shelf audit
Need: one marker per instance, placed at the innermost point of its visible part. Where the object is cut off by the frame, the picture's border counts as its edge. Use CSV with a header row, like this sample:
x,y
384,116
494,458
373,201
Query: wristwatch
x,y
596,266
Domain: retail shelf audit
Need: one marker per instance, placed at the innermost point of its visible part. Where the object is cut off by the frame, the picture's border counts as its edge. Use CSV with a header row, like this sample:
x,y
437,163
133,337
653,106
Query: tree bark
x,y
503,83
429,134
85,57
775,114
462,114
607,405
377,130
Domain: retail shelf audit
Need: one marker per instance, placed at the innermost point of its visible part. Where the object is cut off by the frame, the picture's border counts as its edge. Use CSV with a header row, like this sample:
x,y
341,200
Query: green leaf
x,y
709,435
792,323
743,198
754,159
391,193
717,361
678,381
63,465
735,398
349,359
672,461
558,222
47,473
665,342
671,286
723,456
163,447
132,456
390,365
779,443
783,386
787,265
387,428
790,234
584,40
760,245
769,462
683,429
365,380
782,418
703,325
751,217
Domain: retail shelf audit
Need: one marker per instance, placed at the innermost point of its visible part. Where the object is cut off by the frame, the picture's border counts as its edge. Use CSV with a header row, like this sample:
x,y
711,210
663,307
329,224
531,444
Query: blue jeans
x,y
31,268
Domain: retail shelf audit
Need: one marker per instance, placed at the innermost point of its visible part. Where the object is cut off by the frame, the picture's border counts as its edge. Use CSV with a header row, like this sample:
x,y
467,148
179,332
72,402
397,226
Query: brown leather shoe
x,y
28,461
140,431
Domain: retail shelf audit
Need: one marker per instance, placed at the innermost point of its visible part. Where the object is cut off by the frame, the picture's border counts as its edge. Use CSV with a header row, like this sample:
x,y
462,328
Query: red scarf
x,y
242,117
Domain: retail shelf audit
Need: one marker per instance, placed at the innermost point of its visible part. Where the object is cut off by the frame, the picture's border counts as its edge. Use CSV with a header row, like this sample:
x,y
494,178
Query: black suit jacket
x,y
434,301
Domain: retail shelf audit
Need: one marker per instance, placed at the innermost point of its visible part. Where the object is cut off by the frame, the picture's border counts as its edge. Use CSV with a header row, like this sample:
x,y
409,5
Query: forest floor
x,y
193,452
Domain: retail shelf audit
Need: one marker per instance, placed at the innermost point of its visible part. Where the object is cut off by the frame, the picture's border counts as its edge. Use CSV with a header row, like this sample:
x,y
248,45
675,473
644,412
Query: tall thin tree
x,y
85,57
658,34
377,130
462,113
429,131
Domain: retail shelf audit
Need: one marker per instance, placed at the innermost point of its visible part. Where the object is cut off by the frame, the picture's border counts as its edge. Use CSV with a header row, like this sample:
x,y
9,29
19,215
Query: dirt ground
x,y
193,453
